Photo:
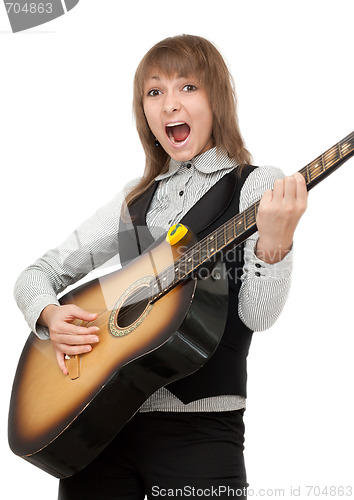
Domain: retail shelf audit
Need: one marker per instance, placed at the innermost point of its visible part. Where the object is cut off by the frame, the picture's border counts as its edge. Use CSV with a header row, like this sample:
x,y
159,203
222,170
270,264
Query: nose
x,y
171,103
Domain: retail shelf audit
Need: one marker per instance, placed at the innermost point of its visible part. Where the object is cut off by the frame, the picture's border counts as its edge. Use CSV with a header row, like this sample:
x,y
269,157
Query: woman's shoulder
x,y
130,185
258,181
266,173
113,207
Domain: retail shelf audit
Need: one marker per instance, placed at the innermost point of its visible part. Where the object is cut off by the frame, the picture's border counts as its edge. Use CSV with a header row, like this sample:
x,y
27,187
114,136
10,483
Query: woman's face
x,y
179,114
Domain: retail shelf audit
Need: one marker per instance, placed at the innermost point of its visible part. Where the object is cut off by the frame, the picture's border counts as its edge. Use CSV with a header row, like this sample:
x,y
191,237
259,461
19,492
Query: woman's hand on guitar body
x,y
278,215
66,337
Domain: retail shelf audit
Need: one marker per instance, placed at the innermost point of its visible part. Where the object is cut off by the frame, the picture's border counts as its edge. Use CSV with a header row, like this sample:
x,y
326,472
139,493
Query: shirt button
x,y
257,274
181,193
188,165
257,264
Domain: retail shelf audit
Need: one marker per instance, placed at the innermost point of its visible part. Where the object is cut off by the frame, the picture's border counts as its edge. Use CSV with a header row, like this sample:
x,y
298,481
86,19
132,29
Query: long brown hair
x,y
188,55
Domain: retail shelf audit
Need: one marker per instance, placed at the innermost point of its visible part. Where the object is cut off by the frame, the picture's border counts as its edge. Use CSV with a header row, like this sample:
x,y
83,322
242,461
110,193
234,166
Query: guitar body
x,y
61,423
157,325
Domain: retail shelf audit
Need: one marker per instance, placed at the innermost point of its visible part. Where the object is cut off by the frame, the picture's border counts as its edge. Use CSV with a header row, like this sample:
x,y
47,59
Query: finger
x,y
301,187
267,197
76,339
278,190
289,188
71,350
82,313
61,362
301,192
70,329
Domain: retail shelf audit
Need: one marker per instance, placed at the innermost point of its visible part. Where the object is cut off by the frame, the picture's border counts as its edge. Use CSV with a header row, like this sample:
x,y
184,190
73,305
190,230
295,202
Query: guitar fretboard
x,y
241,226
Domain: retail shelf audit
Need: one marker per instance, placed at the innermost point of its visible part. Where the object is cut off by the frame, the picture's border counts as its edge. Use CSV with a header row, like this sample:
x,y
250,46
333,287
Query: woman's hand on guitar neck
x,y
278,215
66,337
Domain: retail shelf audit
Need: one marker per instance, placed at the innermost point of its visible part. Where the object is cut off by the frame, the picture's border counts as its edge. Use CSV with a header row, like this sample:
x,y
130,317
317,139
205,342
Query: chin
x,y
181,158
182,155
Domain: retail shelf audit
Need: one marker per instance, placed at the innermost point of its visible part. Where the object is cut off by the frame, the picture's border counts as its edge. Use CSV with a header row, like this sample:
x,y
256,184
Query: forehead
x,y
156,75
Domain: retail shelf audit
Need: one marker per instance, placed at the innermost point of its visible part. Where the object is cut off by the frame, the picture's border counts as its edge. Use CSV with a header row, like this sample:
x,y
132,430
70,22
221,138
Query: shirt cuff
x,y
37,307
265,270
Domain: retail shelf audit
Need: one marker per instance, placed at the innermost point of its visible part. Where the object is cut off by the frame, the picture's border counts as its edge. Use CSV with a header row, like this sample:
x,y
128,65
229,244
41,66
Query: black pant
x,y
167,454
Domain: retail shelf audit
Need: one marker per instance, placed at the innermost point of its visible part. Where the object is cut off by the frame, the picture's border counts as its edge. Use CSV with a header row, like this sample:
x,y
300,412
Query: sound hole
x,y
132,308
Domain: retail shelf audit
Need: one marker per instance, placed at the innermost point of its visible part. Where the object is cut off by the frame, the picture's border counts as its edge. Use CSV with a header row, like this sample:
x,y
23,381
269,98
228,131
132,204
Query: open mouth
x,y
178,132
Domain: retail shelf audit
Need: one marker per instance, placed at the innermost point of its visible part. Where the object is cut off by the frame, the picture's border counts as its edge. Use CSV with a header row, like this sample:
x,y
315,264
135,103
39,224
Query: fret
x,y
212,242
329,158
316,168
327,163
255,205
220,238
189,262
182,267
195,257
207,248
203,252
308,173
156,286
250,220
239,227
152,290
230,231
171,274
346,148
177,270
165,278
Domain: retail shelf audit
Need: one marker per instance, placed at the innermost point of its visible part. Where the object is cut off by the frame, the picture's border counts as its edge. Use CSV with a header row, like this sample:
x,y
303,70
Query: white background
x,y
68,143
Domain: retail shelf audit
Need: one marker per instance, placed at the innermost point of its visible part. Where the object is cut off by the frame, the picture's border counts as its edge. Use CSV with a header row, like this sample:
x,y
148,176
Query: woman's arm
x,y
89,246
268,253
278,215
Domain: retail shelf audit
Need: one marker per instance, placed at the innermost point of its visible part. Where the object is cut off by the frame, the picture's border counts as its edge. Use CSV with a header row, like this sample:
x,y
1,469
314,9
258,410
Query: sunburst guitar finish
x,y
158,324
149,336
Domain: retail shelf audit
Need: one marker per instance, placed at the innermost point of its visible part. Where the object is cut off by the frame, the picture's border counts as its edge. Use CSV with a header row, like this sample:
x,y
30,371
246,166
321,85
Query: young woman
x,y
187,438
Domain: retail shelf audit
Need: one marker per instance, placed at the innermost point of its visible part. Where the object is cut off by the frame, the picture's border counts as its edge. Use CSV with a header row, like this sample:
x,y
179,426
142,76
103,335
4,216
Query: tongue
x,y
180,132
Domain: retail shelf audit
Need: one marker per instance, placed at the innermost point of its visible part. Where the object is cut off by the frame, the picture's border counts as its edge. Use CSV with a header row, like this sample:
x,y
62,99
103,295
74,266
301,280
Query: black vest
x,y
226,371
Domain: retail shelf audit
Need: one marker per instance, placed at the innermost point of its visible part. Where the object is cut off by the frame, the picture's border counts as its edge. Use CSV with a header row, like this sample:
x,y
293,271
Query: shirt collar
x,y
211,161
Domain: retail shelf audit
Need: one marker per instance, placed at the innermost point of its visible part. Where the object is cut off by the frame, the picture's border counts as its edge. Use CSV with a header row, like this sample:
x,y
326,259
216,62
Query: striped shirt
x,y
94,244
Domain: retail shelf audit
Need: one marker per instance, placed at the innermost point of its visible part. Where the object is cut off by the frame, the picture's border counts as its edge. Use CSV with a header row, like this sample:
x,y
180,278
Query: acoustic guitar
x,y
154,329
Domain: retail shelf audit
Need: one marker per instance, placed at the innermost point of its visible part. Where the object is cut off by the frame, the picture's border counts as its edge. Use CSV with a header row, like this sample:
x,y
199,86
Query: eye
x,y
189,88
154,92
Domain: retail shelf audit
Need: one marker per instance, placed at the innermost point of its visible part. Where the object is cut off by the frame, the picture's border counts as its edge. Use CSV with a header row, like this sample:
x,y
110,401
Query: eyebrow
x,y
155,77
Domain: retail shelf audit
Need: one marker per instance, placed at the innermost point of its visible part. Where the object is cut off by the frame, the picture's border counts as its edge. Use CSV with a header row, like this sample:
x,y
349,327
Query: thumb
x,y
60,360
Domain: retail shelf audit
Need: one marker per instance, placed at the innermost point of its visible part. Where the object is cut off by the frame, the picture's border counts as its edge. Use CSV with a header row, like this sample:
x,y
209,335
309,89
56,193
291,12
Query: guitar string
x,y
198,246
250,211
317,164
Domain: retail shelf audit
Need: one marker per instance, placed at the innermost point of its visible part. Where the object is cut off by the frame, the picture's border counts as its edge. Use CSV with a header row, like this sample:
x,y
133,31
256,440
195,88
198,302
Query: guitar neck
x,y
236,230
328,162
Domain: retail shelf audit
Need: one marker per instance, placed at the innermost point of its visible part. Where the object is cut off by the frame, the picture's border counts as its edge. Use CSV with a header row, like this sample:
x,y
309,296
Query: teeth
x,y
175,124
170,135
